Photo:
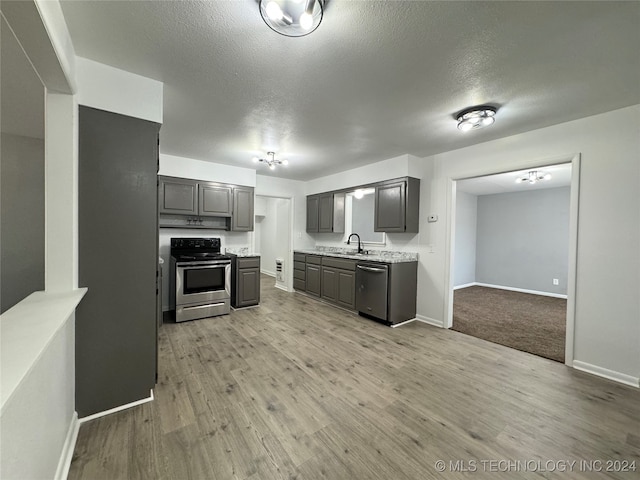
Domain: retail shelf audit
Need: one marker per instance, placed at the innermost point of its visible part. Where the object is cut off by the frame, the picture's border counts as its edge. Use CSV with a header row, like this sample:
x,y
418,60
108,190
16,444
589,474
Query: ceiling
x,y
376,80
506,182
21,91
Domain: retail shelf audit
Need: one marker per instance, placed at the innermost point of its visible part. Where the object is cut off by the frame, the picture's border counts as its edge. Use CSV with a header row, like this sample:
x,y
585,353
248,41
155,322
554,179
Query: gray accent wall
x,y
22,218
464,262
523,239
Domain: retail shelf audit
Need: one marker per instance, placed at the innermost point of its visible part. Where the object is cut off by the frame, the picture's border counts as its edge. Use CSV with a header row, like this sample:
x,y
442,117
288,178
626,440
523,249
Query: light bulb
x,y
255,159
272,166
358,194
547,176
285,162
274,12
518,180
306,21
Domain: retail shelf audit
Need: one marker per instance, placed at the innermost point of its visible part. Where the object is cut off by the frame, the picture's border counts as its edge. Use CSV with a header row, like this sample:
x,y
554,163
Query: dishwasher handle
x,y
372,269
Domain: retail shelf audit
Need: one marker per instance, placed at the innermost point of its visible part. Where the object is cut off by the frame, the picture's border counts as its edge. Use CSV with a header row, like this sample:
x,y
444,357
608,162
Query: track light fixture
x,y
271,161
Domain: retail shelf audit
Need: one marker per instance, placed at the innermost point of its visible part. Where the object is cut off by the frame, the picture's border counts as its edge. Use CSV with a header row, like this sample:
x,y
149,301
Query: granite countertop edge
x,y
403,257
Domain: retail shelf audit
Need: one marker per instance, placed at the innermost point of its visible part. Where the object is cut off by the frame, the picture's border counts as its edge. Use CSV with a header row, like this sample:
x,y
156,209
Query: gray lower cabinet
x,y
313,278
346,291
116,325
245,281
397,206
329,287
215,200
242,219
300,271
178,196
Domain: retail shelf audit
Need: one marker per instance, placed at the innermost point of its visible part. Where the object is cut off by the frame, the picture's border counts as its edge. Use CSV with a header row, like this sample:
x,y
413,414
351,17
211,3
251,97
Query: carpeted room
x,y
510,269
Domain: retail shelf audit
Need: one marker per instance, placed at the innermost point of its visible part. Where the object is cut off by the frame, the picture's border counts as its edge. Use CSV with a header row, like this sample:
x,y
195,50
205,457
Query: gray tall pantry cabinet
x,y
116,328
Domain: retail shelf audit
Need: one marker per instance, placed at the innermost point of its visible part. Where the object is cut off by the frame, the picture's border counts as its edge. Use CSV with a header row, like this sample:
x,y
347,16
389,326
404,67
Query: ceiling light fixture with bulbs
x,y
292,18
476,117
534,176
271,161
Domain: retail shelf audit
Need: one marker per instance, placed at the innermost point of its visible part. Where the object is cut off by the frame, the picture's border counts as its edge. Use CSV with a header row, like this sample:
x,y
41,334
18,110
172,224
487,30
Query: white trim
x,y
403,323
606,373
430,321
68,448
282,287
573,260
117,409
458,287
521,290
267,272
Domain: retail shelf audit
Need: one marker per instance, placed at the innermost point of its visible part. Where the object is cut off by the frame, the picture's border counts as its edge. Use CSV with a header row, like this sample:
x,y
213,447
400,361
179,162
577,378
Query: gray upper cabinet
x,y
178,196
397,206
325,213
215,200
312,213
242,219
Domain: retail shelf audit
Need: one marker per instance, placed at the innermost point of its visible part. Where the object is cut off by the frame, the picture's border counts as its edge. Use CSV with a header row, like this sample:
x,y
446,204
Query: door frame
x,y
575,160
289,257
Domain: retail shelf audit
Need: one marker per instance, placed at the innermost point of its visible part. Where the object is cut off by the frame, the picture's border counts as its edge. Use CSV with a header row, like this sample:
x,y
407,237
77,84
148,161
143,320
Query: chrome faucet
x,y
359,244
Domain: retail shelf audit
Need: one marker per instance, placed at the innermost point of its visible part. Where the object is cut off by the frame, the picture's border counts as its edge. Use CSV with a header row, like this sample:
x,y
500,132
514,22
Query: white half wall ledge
x,y
606,373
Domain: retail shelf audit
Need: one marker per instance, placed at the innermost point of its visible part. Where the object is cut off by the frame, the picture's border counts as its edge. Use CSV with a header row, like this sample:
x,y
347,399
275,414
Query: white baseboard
x,y
606,373
430,321
521,290
403,323
472,284
117,409
282,287
267,272
68,448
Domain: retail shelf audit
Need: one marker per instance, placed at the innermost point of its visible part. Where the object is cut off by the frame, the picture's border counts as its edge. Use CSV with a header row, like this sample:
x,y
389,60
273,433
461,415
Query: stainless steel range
x,y
200,278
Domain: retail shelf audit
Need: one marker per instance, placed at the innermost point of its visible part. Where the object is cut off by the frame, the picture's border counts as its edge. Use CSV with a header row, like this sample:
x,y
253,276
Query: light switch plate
x,y
432,218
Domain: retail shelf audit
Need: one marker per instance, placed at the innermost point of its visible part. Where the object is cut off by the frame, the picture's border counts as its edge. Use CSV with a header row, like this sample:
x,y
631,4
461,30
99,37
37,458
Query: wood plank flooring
x,y
296,389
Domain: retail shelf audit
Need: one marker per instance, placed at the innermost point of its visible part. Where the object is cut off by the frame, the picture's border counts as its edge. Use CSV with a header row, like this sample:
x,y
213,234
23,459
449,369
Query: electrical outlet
x,y
556,281
432,218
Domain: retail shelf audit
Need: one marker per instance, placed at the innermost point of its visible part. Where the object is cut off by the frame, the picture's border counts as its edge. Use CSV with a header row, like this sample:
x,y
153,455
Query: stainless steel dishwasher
x,y
371,289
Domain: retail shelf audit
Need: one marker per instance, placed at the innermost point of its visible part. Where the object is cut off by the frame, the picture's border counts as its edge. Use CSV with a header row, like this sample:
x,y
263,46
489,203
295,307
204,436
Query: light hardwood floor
x,y
296,389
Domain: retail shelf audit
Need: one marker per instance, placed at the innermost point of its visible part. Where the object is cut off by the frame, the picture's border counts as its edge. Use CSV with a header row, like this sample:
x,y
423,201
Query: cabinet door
x,y
248,287
312,214
346,289
178,196
390,207
329,283
313,279
215,200
242,219
325,213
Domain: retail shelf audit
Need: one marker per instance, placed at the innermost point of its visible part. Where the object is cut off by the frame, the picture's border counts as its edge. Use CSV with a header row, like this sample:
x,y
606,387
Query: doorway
x,y
272,239
512,258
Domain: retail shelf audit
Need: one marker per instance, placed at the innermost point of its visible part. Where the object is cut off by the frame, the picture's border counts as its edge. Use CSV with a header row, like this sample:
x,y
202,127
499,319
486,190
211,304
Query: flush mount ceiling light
x,y
476,117
271,161
292,18
534,176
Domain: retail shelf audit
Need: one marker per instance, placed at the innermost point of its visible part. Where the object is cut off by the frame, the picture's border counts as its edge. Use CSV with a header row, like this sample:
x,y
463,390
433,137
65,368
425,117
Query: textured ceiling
x,y
506,182
376,80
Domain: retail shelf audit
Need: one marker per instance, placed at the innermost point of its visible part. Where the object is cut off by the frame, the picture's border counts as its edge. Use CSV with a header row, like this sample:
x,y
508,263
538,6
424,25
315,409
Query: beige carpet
x,y
531,323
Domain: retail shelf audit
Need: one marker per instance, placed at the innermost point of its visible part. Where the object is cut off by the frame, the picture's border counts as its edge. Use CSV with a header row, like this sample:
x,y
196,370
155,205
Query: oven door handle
x,y
210,264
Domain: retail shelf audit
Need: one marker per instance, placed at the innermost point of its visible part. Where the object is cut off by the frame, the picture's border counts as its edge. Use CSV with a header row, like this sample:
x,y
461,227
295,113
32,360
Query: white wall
x,y
607,329
114,90
523,239
465,239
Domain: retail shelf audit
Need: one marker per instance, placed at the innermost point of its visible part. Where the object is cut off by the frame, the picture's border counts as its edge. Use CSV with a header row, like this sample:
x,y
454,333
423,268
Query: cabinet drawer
x,y
299,257
301,274
315,259
299,265
249,262
299,284
342,263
